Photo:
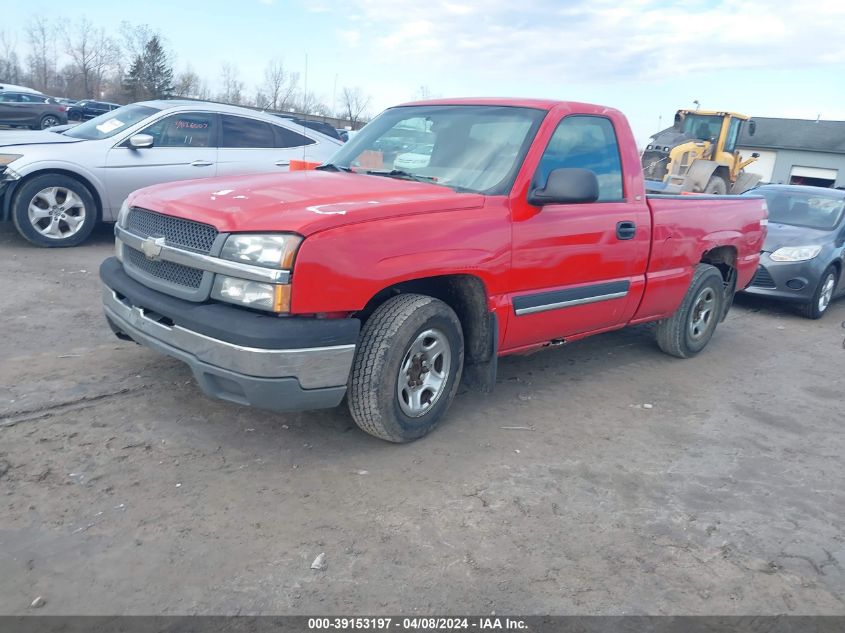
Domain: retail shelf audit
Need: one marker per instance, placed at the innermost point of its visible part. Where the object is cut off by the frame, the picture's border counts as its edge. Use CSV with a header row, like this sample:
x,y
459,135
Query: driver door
x,y
579,268
184,147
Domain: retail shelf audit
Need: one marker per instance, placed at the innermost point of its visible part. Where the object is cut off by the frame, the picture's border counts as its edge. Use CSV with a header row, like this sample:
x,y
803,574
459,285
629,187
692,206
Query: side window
x,y
188,129
733,134
33,99
588,142
6,97
240,131
288,138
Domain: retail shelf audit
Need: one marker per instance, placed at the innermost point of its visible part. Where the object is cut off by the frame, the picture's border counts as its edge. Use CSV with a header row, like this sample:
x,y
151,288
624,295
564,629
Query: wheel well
x,y
723,258
724,173
64,172
465,294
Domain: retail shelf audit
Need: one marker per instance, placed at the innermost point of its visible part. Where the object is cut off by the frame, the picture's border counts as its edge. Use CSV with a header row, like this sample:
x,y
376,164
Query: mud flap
x,y
480,375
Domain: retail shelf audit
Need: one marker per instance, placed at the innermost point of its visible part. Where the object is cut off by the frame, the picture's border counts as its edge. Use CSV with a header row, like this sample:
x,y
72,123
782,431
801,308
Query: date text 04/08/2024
x,y
417,623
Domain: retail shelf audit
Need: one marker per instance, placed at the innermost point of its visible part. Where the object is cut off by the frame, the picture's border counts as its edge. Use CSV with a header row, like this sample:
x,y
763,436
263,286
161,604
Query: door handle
x,y
201,163
282,163
626,230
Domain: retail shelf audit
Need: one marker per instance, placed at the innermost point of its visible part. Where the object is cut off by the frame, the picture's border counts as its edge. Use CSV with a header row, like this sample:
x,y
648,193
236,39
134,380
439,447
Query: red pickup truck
x,y
444,235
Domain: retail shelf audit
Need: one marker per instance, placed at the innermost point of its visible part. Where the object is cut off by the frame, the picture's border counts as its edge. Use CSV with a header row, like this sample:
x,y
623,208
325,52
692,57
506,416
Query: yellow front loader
x,y
699,155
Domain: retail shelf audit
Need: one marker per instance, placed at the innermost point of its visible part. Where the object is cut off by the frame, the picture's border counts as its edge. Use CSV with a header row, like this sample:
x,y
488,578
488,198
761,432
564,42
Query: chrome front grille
x,y
188,234
170,272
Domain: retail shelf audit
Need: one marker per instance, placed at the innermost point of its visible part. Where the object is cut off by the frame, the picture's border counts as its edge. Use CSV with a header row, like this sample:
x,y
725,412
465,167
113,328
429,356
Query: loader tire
x,y
716,186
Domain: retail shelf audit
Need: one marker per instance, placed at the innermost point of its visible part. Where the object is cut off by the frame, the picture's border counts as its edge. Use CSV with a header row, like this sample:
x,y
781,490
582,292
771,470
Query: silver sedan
x,y
56,186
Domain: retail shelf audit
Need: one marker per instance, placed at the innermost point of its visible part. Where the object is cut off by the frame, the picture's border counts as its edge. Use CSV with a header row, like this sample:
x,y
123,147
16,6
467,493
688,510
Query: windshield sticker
x,y
110,126
182,124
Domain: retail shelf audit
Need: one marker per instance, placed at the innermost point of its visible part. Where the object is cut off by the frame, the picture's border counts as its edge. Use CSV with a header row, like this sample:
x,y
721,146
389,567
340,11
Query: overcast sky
x,y
646,58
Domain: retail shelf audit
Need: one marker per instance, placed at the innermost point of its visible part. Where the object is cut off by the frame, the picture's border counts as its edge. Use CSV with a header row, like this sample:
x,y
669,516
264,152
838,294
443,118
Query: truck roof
x,y
539,104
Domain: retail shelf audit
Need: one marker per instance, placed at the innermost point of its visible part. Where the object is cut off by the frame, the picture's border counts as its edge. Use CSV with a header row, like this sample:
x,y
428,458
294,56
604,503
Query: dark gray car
x,y
803,254
27,109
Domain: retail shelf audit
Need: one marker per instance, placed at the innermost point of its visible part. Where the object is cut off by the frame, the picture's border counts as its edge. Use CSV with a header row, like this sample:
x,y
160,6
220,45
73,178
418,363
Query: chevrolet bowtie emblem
x,y
151,247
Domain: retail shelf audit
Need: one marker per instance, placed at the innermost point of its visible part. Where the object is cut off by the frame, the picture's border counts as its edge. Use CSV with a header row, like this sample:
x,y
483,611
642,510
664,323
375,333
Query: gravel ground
x,y
124,490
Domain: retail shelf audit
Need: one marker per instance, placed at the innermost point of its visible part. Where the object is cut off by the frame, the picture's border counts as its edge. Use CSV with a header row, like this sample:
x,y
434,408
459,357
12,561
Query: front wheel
x,y
688,331
49,121
54,210
407,368
822,296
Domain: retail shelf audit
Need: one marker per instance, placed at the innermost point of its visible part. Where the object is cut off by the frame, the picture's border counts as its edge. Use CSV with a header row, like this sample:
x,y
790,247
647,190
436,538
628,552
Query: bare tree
x,y
93,54
42,56
135,37
354,104
310,103
279,86
10,66
261,100
187,83
232,86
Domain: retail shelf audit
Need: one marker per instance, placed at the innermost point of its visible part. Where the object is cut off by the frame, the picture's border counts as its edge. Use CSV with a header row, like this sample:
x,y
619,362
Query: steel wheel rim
x,y
702,313
827,292
49,121
57,213
424,372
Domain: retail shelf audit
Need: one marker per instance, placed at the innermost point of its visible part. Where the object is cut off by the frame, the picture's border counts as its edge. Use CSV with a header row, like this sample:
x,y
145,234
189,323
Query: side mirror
x,y
141,141
752,128
570,185
678,121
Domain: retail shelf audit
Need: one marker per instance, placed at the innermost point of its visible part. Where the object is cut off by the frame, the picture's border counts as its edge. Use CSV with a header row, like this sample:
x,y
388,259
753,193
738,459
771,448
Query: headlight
x,y
795,253
124,212
271,251
6,172
252,294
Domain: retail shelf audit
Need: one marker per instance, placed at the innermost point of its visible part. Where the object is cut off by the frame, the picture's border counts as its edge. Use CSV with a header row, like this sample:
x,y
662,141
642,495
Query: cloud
x,y
349,37
602,40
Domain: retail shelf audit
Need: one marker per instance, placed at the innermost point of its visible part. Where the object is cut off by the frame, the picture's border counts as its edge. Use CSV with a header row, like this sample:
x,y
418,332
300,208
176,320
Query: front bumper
x,y
269,362
787,281
7,188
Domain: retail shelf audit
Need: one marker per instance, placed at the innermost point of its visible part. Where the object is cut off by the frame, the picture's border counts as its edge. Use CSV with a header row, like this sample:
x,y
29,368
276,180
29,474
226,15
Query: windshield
x,y
467,148
111,123
702,126
812,210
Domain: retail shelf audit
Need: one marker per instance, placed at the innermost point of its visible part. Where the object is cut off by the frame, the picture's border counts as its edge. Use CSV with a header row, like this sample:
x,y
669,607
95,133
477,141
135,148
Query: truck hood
x,y
34,137
304,202
780,235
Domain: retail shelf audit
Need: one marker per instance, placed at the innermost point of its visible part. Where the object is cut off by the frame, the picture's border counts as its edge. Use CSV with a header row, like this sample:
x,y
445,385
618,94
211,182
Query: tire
x,y
54,210
48,121
822,296
716,186
688,331
390,393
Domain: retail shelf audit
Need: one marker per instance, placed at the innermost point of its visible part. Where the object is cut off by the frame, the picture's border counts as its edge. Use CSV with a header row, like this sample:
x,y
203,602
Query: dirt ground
x,y
124,490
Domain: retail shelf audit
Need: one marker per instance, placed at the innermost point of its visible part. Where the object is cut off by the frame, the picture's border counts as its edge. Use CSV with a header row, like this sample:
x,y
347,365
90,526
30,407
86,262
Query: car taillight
x,y
62,108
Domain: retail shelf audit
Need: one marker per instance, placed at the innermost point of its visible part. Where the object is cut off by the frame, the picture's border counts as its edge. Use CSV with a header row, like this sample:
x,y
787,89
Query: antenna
x,y
305,102
696,104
